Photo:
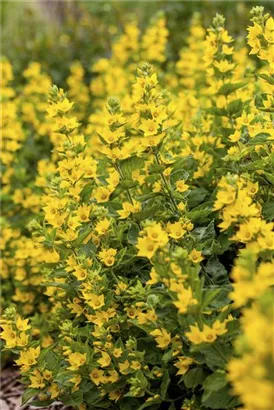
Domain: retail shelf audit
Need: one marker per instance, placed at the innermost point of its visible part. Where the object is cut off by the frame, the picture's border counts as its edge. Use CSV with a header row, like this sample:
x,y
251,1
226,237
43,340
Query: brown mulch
x,y
12,390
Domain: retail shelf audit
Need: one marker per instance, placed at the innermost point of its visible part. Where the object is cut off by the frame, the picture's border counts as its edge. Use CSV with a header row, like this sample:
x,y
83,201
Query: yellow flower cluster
x,y
252,370
147,224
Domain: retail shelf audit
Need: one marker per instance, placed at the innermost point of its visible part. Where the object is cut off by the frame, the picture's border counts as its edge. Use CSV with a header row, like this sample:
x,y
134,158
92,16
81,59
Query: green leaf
x,y
194,377
131,164
178,174
133,233
215,381
128,403
73,399
152,356
146,213
235,107
269,177
258,140
268,210
222,298
52,361
41,404
142,198
156,400
269,79
196,196
253,165
128,183
216,354
167,356
94,398
28,394
86,192
82,236
153,299
200,212
155,168
205,232
209,296
259,102
221,399
216,111
227,89
165,383
216,271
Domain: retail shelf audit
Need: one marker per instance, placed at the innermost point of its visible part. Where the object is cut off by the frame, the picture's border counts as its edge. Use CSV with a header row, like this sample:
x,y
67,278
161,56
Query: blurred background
x,y
56,32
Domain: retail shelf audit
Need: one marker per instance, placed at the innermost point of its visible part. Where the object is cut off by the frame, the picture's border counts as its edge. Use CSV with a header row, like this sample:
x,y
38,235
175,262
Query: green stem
x,y
176,209
118,169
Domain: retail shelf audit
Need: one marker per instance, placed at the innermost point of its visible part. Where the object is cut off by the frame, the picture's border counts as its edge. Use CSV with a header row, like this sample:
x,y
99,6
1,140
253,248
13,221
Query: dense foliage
x,y
137,229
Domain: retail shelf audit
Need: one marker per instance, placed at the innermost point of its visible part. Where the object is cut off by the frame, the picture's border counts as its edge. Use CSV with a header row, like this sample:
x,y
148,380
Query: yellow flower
x,y
107,256
194,335
175,230
224,197
76,380
156,233
181,206
183,364
181,186
21,324
83,213
113,376
146,247
150,127
76,360
206,335
185,299
124,367
219,327
47,374
235,137
47,341
64,105
162,337
117,352
105,359
112,136
101,194
97,376
53,390
9,335
37,380
135,365
51,256
223,66
28,358
96,301
153,277
102,226
115,395
195,256
126,211
227,50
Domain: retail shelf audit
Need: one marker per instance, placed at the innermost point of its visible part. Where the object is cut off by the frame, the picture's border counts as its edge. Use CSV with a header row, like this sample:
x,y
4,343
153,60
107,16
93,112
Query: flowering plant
x,y
156,234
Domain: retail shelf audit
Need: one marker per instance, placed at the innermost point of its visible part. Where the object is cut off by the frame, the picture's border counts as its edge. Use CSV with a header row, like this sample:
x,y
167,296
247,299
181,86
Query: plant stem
x,y
166,184
118,169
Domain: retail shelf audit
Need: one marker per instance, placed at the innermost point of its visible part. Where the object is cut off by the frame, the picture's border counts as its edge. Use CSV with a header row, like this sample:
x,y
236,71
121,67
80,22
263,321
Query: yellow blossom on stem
x,y
162,337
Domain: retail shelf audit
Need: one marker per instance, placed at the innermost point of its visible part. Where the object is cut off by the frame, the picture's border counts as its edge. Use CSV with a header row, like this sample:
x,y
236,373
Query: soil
x,y
12,390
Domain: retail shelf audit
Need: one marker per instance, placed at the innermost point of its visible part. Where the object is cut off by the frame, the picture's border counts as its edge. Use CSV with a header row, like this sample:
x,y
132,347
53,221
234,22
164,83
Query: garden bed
x,y
12,391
